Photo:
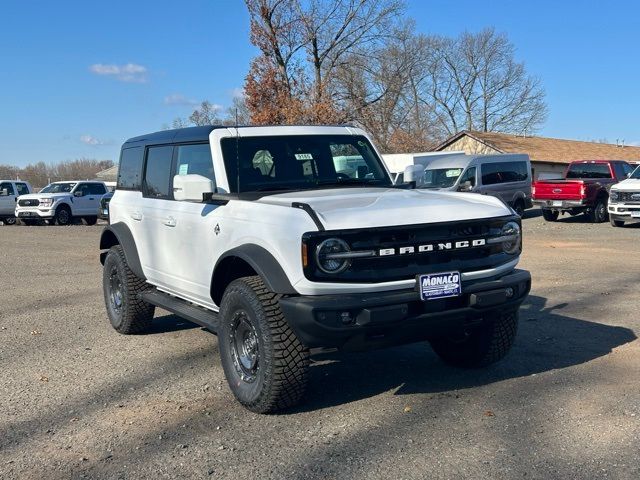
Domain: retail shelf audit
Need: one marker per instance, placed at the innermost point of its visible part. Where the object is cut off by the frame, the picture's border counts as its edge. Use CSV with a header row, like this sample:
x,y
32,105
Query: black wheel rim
x,y
245,351
602,211
116,297
10,221
63,217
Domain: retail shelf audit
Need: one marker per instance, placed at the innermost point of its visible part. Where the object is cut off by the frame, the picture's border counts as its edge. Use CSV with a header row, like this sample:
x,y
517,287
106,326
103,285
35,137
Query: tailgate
x,y
558,190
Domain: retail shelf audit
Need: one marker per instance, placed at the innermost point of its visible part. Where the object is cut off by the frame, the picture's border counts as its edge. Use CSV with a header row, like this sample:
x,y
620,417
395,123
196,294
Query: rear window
x,y
589,170
129,173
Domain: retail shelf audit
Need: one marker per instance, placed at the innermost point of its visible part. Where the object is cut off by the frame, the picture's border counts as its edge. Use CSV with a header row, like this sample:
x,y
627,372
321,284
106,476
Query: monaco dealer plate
x,y
439,285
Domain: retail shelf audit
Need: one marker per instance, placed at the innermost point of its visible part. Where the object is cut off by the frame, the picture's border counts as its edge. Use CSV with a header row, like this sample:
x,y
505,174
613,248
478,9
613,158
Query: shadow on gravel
x,y
547,340
169,323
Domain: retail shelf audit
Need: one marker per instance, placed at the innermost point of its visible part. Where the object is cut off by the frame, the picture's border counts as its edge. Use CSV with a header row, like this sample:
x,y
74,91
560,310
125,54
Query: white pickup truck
x,y
265,237
10,190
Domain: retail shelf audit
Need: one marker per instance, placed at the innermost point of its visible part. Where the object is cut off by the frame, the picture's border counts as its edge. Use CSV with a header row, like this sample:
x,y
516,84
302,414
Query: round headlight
x,y
613,195
513,242
329,256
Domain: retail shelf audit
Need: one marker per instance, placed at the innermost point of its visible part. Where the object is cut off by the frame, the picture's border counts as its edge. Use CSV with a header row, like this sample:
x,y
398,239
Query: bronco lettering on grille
x,y
433,247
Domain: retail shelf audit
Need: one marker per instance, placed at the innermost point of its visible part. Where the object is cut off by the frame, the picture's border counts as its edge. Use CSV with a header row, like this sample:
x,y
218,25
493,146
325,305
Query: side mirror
x,y
465,186
4,192
191,187
78,193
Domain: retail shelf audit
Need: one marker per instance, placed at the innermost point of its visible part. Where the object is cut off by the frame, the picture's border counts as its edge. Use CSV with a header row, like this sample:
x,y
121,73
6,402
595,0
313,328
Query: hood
x,y
628,185
348,208
38,196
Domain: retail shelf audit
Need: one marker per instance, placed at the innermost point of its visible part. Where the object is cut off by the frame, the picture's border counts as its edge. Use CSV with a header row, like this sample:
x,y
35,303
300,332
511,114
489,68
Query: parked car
x,y
103,208
624,200
257,234
10,190
61,202
507,177
584,189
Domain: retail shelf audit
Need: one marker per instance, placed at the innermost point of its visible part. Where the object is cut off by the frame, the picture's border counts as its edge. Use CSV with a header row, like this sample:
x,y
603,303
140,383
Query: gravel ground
x,y
78,400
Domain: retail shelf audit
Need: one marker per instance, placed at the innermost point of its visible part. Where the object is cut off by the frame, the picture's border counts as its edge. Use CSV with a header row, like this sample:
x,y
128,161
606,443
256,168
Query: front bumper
x,y
372,320
624,212
35,213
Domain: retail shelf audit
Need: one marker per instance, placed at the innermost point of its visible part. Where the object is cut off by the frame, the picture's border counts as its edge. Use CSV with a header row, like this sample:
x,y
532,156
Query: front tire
x,y
127,313
91,220
481,346
63,216
264,362
616,223
550,215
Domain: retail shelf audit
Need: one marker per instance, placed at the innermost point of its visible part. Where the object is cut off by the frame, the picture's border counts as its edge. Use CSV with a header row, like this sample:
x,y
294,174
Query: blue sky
x,y
78,78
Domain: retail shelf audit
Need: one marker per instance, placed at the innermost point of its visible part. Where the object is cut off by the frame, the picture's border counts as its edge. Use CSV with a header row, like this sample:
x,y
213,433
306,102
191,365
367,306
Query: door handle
x,y
169,222
137,216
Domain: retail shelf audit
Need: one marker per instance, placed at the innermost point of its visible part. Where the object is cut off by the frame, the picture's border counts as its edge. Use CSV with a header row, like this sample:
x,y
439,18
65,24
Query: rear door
x,y
96,191
7,198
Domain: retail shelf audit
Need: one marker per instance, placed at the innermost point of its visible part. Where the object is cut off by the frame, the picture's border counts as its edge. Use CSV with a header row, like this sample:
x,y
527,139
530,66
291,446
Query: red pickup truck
x,y
584,189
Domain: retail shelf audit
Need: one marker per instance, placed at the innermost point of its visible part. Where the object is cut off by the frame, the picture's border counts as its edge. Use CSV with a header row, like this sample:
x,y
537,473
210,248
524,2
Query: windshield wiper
x,y
348,181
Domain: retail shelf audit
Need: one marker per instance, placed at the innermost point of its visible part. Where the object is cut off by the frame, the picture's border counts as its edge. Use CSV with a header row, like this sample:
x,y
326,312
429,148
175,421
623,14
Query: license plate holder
x,y
439,285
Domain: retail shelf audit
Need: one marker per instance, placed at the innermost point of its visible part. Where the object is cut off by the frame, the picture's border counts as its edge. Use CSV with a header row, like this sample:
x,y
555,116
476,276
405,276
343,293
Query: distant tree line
x,y
40,174
362,62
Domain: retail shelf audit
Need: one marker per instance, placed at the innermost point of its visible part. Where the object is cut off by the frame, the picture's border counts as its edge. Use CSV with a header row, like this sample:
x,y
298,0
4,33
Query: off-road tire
x,y
550,215
518,206
63,216
91,220
599,214
616,223
278,378
134,315
481,346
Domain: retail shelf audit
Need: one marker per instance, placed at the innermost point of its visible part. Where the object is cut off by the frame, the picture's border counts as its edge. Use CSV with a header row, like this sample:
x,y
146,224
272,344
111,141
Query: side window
x,y
130,170
8,187
85,188
96,189
469,176
490,175
157,172
22,188
195,159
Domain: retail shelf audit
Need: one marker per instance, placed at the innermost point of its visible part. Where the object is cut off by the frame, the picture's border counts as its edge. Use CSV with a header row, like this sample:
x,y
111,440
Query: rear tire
x,y
264,362
480,346
9,220
518,206
616,223
127,312
91,220
63,216
599,212
550,215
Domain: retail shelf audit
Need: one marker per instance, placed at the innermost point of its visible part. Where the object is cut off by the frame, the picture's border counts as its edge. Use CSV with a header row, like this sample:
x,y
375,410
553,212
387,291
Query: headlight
x,y
46,202
332,256
613,196
511,238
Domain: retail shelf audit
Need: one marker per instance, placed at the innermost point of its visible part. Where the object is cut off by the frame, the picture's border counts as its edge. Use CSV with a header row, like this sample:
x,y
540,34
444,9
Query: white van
x,y
506,176
10,190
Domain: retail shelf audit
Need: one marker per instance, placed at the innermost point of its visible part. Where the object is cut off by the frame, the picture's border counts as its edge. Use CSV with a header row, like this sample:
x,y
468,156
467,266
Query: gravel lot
x,y
78,400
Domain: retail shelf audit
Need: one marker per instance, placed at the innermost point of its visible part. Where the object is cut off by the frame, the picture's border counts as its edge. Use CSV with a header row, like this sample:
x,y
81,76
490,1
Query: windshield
x,y
635,174
58,188
589,170
441,177
301,162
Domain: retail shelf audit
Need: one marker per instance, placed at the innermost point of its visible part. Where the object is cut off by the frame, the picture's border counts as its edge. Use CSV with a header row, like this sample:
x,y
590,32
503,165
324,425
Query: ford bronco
x,y
265,236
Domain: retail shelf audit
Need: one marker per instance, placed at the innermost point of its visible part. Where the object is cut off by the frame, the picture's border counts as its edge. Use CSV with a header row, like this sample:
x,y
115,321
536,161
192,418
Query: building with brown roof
x,y
549,156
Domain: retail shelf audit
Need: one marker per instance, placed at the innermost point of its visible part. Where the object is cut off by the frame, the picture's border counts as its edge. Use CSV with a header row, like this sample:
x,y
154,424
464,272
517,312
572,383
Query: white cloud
x,y
91,140
237,92
130,72
179,99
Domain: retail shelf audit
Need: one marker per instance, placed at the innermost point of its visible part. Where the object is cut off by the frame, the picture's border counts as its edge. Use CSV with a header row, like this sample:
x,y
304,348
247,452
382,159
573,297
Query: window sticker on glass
x,y
304,156
454,172
184,169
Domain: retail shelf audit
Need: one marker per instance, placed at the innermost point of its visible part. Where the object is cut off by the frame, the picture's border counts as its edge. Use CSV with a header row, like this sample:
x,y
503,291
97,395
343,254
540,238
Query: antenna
x,y
237,155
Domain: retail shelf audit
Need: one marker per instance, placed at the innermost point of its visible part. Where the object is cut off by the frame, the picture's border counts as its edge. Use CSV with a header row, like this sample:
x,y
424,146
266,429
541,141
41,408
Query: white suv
x,y
61,202
10,190
261,235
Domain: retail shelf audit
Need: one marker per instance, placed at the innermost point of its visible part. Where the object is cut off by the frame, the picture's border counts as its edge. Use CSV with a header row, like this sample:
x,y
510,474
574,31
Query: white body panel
x,y
8,202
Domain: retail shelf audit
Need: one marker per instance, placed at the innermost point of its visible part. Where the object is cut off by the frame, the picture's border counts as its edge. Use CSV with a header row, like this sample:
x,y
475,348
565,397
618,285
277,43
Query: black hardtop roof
x,y
196,134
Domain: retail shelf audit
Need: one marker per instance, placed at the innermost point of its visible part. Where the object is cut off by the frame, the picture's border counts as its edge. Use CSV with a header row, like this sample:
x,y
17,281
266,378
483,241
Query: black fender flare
x,y
119,234
263,263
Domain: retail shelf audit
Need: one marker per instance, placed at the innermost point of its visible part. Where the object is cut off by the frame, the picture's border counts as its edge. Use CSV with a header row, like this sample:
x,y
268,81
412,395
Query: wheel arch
x,y
248,260
119,234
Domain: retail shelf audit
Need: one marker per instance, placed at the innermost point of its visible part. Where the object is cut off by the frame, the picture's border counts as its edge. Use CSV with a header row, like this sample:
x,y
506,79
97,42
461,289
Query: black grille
x,y
31,202
407,266
627,197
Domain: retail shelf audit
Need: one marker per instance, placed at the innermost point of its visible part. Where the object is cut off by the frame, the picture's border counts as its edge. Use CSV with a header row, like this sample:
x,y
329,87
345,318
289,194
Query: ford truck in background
x,y
584,189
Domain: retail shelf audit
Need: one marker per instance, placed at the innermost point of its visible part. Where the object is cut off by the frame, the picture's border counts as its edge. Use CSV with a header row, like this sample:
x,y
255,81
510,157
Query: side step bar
x,y
201,316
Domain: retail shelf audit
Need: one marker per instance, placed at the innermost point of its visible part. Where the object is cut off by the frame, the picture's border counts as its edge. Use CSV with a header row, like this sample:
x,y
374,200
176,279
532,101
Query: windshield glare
x,y
58,188
301,162
441,177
